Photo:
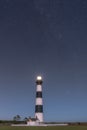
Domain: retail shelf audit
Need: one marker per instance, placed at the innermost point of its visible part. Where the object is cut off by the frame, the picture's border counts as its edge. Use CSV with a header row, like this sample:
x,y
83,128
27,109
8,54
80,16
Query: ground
x,y
44,128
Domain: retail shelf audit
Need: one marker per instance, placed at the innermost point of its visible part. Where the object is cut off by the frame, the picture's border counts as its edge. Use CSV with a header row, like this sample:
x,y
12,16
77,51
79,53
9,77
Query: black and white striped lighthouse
x,y
39,101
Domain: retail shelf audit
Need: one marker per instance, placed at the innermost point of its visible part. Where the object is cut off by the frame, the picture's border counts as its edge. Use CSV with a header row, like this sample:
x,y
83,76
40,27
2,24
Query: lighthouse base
x,y
39,116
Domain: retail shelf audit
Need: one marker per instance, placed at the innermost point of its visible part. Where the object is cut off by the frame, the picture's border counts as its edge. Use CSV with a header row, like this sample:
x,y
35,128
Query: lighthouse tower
x,y
39,101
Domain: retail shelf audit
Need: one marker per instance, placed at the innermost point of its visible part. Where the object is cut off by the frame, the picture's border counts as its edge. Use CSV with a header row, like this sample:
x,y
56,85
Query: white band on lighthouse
x,y
39,116
39,88
39,101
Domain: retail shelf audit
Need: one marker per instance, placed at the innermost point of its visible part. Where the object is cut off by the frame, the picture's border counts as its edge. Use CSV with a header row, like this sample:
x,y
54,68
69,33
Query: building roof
x,y
33,119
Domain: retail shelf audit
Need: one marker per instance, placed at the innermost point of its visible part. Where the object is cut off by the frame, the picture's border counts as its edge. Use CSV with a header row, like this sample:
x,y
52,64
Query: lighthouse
x,y
39,100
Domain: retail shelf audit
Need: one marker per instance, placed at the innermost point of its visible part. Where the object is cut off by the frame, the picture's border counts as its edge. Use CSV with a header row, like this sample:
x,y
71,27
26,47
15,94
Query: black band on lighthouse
x,y
38,94
38,82
39,108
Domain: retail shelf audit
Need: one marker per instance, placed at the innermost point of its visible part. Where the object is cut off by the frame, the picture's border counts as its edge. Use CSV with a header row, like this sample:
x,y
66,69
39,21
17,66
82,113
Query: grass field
x,y
44,128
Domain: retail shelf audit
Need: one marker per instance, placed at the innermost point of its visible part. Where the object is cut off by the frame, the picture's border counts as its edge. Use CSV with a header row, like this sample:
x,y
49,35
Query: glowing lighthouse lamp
x,y
39,101
39,78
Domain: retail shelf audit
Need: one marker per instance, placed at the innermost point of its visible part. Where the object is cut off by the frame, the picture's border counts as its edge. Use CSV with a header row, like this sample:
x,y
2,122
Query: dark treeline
x,y
77,123
9,122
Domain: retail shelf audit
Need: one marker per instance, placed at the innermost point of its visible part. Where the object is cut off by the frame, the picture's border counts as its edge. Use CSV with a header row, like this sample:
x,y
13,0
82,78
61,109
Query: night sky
x,y
47,38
